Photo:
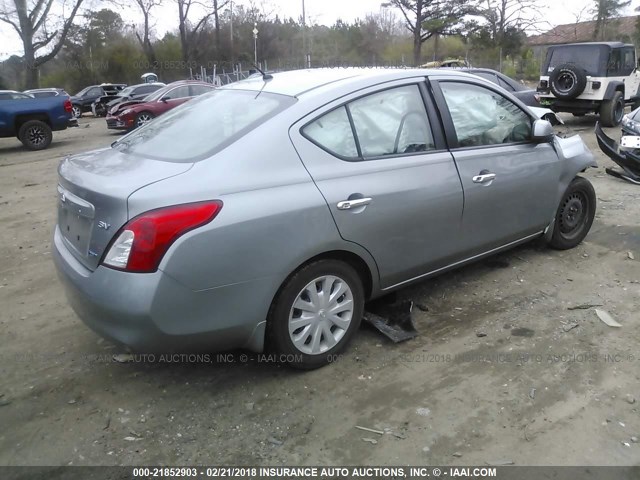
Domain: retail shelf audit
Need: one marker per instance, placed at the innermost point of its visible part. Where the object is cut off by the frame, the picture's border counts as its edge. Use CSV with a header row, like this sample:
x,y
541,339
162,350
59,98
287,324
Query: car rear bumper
x,y
154,313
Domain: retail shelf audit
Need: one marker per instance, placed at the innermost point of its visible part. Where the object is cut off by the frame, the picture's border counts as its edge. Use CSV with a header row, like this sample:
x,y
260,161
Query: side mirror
x,y
164,99
542,131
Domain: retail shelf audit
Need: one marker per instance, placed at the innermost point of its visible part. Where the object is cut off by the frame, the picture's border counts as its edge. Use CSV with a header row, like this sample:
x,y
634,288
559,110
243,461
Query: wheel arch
x,y
22,119
612,88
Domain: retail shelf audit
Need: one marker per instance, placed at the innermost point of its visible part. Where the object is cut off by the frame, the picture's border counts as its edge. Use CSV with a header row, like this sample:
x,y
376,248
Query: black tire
x,y
139,121
612,111
35,135
101,110
76,111
279,337
567,81
575,215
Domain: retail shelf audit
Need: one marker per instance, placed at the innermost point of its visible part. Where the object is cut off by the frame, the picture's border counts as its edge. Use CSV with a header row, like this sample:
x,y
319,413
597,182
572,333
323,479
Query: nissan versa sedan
x,y
263,215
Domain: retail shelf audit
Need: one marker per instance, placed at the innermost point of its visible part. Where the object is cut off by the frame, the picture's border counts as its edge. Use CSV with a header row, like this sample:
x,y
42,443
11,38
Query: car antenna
x,y
265,76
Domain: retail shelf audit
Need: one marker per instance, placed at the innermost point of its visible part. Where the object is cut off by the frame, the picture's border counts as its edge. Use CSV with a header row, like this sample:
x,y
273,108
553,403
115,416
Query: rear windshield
x,y
592,58
203,125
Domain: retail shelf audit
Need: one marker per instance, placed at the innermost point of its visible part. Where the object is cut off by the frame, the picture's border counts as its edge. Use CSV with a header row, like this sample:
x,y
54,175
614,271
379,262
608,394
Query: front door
x,y
381,163
510,183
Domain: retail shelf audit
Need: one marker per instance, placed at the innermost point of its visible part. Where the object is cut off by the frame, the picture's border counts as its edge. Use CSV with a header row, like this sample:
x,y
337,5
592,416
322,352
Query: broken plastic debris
x,y
585,306
123,357
606,318
371,430
394,320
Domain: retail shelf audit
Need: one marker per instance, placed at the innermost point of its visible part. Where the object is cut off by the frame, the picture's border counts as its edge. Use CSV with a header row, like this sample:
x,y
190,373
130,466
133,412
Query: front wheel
x,y
143,118
316,313
575,215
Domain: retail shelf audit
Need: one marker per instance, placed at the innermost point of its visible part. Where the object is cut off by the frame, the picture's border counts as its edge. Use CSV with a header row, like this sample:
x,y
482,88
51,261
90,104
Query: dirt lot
x,y
533,390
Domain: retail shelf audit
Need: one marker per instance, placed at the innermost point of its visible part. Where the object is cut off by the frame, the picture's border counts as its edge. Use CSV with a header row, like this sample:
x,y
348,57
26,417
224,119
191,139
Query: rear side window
x,y
333,132
200,90
203,126
507,86
390,122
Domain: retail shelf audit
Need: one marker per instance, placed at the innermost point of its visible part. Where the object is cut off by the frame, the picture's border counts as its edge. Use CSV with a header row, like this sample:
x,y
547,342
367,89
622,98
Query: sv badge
x,y
104,225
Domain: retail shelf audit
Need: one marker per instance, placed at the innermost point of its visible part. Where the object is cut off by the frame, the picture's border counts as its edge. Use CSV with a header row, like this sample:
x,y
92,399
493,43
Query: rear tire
x,y
76,111
35,135
612,111
311,337
575,215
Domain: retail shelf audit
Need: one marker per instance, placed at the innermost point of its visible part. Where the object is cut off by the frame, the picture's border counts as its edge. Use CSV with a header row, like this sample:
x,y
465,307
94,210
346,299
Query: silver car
x,y
266,213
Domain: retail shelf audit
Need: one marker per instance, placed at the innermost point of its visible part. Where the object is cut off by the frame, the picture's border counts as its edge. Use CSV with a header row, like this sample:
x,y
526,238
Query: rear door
x,y
510,183
379,159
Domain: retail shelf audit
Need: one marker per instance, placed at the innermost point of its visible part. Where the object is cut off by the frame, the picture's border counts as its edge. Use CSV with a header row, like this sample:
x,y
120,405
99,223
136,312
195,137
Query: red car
x,y
133,114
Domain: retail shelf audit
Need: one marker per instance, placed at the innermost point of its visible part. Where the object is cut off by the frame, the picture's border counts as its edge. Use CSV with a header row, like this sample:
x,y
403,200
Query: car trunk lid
x,y
93,189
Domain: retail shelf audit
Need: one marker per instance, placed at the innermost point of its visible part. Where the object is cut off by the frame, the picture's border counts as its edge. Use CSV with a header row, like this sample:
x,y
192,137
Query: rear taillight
x,y
143,241
67,106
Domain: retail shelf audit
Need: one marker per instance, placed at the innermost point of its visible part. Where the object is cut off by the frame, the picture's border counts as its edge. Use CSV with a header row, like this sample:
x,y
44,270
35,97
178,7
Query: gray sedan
x,y
266,213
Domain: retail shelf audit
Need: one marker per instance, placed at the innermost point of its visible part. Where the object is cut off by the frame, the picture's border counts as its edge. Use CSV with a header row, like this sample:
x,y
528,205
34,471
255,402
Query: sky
x,y
326,12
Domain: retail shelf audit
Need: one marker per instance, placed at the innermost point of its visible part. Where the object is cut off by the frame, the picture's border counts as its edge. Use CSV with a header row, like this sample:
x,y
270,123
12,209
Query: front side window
x,y
483,117
390,122
621,62
179,92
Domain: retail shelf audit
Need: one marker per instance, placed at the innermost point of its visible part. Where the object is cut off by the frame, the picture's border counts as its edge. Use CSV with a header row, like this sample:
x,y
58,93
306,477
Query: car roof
x,y
187,82
606,44
45,89
299,82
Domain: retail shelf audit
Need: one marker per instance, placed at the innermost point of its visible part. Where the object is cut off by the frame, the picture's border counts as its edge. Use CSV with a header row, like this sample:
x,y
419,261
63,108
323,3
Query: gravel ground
x,y
503,369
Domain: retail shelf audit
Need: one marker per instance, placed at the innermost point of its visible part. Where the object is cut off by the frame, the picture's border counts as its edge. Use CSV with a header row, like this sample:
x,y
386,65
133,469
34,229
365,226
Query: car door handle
x,y
356,202
486,177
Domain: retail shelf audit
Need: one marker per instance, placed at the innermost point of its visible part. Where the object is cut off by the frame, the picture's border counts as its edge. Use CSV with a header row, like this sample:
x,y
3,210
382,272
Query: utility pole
x,y
231,30
305,46
255,44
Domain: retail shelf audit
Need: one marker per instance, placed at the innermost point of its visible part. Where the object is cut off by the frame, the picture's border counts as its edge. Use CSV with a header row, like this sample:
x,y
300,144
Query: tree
x,y
426,18
39,31
145,7
188,33
604,11
505,17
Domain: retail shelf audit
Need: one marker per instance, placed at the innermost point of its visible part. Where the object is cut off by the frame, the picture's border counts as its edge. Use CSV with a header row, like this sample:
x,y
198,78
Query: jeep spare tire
x,y
567,81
